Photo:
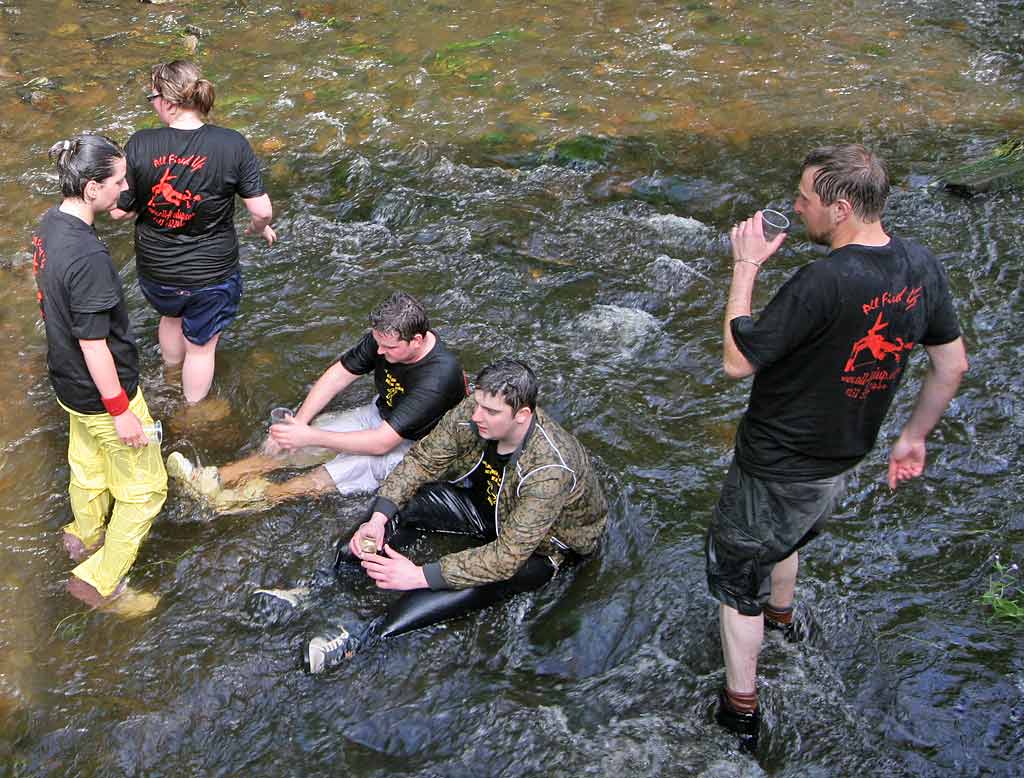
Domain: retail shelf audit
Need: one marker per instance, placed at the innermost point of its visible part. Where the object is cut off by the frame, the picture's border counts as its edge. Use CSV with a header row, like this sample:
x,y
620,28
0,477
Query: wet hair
x,y
82,159
513,380
850,172
402,315
181,83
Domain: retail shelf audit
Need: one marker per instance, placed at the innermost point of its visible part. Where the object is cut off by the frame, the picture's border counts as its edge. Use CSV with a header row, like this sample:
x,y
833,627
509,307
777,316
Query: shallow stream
x,y
553,180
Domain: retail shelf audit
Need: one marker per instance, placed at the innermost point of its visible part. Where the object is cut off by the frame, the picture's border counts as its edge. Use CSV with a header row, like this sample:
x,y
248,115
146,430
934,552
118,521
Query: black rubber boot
x,y
745,725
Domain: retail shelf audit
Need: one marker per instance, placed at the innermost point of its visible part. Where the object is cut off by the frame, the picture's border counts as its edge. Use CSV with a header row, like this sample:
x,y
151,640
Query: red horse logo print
x,y
171,195
876,343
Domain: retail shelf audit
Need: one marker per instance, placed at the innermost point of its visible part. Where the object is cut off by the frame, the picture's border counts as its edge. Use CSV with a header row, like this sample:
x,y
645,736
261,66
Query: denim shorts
x,y
756,524
204,312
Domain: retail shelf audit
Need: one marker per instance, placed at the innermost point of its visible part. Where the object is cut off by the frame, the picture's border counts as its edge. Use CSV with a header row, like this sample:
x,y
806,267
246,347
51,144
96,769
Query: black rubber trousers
x,y
442,507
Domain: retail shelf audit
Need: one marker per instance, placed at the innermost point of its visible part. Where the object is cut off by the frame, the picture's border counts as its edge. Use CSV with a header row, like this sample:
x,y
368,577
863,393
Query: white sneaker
x,y
326,651
294,598
279,606
204,481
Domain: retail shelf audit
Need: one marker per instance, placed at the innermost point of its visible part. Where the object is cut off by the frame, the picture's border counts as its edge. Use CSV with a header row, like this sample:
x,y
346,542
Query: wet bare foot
x,y
88,594
207,411
125,601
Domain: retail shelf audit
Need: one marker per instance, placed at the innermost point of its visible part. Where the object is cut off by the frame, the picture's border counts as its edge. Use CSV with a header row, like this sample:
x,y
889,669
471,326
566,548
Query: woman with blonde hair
x,y
182,182
94,369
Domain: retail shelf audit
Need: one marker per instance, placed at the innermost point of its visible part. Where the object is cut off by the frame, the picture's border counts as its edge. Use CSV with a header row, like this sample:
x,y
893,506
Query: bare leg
x,y
172,342
315,482
784,582
254,464
197,372
741,643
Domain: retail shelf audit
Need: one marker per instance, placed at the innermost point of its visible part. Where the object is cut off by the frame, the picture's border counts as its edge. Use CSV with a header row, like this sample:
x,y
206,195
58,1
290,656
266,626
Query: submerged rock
x,y
584,152
42,92
671,276
673,190
618,328
1002,169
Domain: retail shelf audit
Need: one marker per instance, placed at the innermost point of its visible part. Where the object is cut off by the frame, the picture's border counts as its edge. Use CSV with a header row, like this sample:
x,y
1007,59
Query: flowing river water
x,y
553,180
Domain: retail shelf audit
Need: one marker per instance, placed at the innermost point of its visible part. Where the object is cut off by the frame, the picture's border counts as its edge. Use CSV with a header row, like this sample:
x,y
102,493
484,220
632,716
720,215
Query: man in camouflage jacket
x,y
537,491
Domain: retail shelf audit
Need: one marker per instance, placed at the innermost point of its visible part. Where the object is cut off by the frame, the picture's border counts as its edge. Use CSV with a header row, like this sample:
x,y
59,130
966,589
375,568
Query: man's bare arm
x,y
749,251
948,365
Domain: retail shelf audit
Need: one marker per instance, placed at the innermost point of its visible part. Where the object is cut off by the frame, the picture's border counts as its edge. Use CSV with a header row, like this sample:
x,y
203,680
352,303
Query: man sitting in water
x,y
514,480
417,381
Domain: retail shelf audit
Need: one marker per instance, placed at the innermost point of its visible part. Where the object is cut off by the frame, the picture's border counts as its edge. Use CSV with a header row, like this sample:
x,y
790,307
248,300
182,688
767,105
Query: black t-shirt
x,y
411,398
182,184
80,298
830,350
485,480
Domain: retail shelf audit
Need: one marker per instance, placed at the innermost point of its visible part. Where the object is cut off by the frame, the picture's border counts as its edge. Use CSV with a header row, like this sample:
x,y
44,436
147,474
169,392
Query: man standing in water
x,y
417,380
827,355
516,482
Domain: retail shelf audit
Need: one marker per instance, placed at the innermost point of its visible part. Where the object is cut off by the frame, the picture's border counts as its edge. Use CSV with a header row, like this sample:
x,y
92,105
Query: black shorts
x,y
756,524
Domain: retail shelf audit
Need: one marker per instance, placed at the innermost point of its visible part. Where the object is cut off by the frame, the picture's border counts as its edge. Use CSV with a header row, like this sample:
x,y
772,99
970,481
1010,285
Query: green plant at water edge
x,y
1002,169
1005,595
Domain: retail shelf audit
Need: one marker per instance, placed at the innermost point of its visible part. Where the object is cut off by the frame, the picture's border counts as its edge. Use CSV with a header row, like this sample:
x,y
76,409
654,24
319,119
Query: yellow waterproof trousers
x,y
105,471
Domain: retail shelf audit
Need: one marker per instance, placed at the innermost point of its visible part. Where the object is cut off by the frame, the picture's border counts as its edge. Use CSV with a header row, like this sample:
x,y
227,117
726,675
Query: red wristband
x,y
116,405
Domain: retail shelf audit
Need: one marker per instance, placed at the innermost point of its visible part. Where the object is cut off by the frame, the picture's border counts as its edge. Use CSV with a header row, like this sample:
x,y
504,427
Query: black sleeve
x,y
90,326
92,284
250,181
126,201
786,322
362,357
425,403
93,290
943,324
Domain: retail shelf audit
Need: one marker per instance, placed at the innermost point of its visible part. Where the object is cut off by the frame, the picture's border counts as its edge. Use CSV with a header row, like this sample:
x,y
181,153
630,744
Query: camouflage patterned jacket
x,y
549,500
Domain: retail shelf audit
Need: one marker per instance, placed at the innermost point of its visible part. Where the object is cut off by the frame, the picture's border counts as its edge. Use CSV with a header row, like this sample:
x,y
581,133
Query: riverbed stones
x,y
271,145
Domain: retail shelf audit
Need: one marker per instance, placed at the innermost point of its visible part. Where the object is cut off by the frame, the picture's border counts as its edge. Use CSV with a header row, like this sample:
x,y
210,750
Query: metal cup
x,y
772,223
155,432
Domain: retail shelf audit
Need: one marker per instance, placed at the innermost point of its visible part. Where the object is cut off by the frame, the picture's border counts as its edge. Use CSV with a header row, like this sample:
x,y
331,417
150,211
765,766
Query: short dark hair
x,y
513,380
82,159
401,314
853,173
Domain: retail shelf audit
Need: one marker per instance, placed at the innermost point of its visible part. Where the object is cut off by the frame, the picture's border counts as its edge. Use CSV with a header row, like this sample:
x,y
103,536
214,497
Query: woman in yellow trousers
x,y
93,368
